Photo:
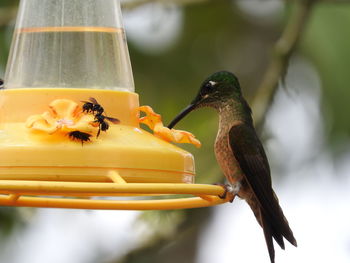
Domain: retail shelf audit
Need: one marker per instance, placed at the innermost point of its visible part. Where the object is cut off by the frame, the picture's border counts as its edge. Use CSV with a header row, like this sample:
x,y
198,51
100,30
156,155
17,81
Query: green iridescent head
x,y
218,87
214,91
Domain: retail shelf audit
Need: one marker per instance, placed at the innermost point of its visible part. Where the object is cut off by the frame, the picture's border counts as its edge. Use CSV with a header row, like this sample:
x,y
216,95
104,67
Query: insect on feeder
x,y
69,118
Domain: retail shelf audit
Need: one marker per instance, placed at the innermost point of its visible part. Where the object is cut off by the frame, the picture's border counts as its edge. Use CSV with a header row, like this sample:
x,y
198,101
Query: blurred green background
x,y
173,47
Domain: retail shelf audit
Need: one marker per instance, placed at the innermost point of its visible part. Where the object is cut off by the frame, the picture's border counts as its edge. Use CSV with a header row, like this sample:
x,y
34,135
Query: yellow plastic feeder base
x,y
76,194
49,170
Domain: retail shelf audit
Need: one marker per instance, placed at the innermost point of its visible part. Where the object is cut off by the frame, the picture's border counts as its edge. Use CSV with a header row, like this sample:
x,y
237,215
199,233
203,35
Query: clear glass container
x,y
69,44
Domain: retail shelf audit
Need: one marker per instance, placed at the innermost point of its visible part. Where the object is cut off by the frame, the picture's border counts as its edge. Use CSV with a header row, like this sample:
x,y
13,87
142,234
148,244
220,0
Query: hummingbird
x,y
241,156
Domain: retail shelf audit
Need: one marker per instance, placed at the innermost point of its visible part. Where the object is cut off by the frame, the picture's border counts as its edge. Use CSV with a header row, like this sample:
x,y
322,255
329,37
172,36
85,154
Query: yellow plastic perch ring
x,y
77,195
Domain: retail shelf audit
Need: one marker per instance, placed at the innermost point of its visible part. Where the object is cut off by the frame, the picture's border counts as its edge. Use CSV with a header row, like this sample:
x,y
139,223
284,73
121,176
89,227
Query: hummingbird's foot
x,y
229,189
236,187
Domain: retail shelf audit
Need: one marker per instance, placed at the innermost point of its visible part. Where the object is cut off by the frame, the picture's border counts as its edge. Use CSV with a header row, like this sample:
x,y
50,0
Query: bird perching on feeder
x,y
69,118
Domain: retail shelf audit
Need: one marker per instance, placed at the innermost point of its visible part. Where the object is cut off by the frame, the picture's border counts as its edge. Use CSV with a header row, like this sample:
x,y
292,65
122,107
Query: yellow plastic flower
x,y
154,122
64,115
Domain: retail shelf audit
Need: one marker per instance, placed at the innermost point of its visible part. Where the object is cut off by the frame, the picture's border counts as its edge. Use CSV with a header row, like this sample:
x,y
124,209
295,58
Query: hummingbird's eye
x,y
208,87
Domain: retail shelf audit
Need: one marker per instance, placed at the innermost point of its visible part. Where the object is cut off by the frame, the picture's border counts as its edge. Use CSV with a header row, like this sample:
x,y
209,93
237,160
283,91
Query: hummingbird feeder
x,y
70,133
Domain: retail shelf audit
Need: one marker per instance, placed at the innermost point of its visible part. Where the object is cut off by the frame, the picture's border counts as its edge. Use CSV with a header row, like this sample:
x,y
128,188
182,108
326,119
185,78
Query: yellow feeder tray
x,y
48,170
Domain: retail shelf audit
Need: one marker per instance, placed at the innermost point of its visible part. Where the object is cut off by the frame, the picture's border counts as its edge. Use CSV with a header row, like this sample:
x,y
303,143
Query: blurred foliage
x,y
327,40
178,245
9,218
7,3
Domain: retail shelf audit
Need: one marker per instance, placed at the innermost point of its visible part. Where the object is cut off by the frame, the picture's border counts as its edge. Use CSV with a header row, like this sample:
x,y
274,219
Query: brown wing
x,y
113,120
252,159
93,100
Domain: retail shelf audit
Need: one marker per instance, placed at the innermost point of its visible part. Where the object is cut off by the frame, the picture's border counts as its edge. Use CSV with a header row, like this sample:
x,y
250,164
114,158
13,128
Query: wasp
x,y
80,136
101,120
92,106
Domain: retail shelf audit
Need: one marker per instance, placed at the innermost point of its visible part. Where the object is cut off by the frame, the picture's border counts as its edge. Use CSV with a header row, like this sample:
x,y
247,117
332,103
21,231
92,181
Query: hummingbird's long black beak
x,y
182,114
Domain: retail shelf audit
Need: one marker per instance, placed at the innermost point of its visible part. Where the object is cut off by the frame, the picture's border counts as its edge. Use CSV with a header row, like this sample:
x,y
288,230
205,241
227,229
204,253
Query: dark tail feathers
x,y
277,228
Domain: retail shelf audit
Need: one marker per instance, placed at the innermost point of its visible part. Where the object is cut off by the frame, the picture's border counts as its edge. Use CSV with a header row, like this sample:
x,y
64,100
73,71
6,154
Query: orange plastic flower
x,y
154,122
64,115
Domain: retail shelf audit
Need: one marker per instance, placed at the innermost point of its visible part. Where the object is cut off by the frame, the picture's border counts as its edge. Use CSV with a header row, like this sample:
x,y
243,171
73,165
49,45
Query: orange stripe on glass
x,y
70,29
